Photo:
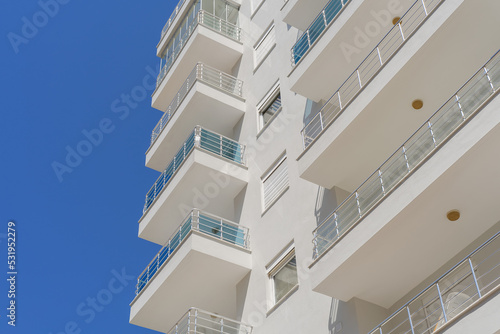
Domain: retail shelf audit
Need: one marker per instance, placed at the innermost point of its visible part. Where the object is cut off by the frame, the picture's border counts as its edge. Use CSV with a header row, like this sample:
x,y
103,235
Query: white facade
x,y
343,161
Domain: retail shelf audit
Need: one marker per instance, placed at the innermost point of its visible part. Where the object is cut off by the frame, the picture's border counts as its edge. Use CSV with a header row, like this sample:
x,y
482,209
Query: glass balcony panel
x,y
349,89
394,170
426,311
347,214
390,44
370,192
487,267
419,146
369,67
397,324
494,73
332,9
443,125
413,17
475,93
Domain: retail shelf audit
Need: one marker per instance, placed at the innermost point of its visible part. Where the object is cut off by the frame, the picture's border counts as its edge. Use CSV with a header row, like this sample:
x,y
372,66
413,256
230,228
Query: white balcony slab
x,y
203,271
206,46
300,13
431,66
407,237
204,181
204,105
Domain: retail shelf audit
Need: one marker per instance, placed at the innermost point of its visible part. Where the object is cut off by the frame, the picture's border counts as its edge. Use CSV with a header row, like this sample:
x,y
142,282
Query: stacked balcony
x,y
415,59
208,170
453,296
199,265
300,13
396,220
199,321
209,98
197,33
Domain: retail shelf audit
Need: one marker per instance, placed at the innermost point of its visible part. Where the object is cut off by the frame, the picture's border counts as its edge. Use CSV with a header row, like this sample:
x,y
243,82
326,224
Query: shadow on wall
x,y
327,200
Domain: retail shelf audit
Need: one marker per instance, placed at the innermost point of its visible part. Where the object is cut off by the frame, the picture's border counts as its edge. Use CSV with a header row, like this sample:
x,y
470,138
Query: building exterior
x,y
326,167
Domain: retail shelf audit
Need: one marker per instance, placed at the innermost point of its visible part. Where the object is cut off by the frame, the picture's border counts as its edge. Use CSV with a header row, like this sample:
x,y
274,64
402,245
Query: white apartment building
x,y
326,167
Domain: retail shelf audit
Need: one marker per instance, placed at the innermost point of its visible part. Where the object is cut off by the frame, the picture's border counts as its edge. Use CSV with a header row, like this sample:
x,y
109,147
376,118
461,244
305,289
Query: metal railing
x,y
196,221
202,139
207,20
368,68
199,321
327,15
425,141
207,75
445,299
172,18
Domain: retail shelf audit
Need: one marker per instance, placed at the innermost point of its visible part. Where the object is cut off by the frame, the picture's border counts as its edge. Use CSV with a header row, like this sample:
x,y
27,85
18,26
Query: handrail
x,y
172,18
202,139
425,141
207,20
195,221
196,320
369,67
207,75
469,281
325,18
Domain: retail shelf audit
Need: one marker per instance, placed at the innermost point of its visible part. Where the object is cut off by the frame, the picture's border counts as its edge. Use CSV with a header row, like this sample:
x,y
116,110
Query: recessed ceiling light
x,y
453,215
396,20
417,104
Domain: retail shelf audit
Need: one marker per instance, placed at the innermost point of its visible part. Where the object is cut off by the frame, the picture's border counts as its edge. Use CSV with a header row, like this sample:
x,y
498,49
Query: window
x,y
264,45
283,274
275,182
269,106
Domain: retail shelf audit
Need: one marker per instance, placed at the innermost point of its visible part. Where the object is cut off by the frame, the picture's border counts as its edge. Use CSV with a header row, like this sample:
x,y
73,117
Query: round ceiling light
x,y
453,215
417,104
396,20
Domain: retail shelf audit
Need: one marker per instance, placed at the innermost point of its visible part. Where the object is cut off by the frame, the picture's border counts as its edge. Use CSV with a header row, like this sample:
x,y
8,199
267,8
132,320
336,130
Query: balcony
x,y
468,284
198,321
199,265
300,13
204,38
378,232
379,91
175,15
208,171
209,98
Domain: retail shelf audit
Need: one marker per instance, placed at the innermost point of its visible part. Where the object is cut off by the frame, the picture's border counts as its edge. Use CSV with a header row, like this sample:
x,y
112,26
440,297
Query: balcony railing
x,y
470,281
199,321
207,20
368,68
207,75
328,15
196,221
172,18
425,141
202,139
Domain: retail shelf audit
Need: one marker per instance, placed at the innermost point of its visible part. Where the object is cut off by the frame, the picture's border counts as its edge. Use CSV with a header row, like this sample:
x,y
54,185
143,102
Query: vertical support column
x,y
409,318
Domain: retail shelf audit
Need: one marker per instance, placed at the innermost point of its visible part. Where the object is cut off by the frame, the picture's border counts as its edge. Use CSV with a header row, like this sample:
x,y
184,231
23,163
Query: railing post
x,y
442,304
379,56
197,136
475,279
429,124
409,318
335,219
196,321
425,9
308,38
358,204
489,79
315,245
401,30
340,102
222,325
321,120
460,107
406,159
324,17
381,181
359,78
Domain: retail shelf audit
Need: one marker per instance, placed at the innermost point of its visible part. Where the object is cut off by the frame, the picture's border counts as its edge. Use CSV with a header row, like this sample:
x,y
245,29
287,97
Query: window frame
x,y
275,268
265,103
277,163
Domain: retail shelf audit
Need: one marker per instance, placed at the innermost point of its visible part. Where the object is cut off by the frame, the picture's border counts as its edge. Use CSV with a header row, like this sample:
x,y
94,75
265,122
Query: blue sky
x,y
80,72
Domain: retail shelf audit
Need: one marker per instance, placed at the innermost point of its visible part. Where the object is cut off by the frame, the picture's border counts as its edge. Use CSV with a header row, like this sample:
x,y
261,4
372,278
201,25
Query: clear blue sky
x,y
72,74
